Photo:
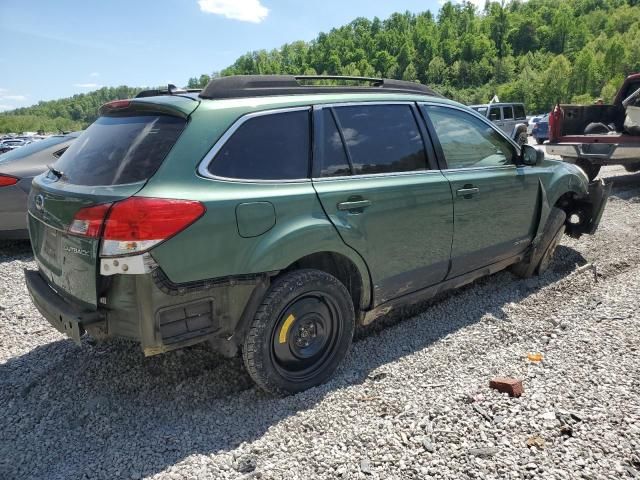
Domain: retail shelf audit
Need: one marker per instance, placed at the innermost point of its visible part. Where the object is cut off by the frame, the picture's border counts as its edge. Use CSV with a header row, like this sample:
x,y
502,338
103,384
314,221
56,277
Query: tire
x,y
542,256
539,141
592,170
596,128
300,333
523,138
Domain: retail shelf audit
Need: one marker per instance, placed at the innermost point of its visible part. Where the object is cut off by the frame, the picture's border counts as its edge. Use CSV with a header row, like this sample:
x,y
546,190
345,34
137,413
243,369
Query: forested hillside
x,y
536,51
66,114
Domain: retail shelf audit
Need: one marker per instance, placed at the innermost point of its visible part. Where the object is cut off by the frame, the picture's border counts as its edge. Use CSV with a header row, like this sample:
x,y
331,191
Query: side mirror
x,y
531,156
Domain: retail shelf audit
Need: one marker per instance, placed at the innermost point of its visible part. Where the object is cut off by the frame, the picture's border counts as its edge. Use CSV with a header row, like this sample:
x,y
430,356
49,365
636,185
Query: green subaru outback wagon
x,y
272,214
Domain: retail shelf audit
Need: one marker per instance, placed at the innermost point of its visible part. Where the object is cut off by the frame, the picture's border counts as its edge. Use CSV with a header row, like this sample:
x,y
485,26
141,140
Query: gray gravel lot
x,y
411,400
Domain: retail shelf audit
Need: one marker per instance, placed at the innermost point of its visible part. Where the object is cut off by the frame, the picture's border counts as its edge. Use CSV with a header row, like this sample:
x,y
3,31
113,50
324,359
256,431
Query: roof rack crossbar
x,y
373,80
242,86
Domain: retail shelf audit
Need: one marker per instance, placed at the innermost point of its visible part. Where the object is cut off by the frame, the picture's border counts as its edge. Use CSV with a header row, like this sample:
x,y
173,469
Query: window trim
x,y
436,141
432,163
203,166
504,107
497,108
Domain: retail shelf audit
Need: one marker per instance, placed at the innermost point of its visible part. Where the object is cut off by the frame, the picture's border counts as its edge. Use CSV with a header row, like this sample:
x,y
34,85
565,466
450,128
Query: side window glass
x,y
382,138
507,113
494,114
334,157
274,146
519,111
468,142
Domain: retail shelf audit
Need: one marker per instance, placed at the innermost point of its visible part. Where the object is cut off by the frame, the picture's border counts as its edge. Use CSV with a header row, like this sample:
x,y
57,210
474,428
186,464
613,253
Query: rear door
x,y
508,120
110,161
381,190
495,202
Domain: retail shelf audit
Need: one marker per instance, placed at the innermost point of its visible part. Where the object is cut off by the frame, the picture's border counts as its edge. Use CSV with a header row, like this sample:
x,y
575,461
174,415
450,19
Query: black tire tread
x,y
253,361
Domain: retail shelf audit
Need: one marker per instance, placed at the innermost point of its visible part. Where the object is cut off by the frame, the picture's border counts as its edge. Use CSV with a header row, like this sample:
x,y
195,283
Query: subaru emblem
x,y
39,201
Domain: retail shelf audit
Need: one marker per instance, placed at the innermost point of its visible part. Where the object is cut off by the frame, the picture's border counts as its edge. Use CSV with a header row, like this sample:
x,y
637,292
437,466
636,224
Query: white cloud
x,y
15,98
94,74
87,85
244,10
6,107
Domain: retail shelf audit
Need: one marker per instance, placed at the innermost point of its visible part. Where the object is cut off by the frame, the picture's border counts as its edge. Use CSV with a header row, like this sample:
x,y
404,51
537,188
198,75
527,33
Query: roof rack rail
x,y
171,90
240,86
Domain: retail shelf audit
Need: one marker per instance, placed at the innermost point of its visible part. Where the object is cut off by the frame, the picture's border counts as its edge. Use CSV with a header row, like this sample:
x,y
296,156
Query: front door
x,y
495,202
376,184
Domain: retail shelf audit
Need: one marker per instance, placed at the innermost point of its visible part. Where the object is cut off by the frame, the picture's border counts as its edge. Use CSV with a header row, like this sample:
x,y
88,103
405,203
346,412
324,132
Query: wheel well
x,y
578,213
337,265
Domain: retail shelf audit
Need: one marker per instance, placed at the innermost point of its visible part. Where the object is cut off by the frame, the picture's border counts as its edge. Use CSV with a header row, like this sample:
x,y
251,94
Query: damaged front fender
x,y
585,212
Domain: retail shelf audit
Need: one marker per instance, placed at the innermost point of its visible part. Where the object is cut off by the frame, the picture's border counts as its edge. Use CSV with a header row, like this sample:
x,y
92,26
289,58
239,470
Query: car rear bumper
x,y
61,315
150,310
601,153
13,234
13,211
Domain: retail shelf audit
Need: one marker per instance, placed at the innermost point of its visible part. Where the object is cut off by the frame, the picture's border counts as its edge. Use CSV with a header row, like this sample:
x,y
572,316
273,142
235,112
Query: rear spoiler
x,y
142,106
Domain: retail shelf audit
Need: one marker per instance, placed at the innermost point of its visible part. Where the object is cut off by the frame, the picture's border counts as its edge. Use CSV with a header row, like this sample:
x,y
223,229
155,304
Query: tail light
x,y
137,224
88,221
8,180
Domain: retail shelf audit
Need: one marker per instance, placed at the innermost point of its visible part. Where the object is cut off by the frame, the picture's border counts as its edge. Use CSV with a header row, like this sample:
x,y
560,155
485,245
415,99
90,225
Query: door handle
x,y
468,191
354,205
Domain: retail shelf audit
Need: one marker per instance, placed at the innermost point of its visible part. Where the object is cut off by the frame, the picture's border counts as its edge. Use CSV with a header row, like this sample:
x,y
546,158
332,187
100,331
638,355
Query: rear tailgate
x,y
109,162
68,262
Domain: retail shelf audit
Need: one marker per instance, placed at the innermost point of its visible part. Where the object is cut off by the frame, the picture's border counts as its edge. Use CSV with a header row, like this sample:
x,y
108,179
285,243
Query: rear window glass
x,y
382,138
120,150
519,111
507,113
275,146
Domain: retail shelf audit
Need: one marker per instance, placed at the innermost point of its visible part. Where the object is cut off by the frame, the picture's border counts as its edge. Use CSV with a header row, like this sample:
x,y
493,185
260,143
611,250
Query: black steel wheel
x,y
300,333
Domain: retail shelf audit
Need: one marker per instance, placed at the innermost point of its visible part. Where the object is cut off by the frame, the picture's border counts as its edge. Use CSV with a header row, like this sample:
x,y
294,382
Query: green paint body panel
x,y
498,221
404,235
255,218
416,232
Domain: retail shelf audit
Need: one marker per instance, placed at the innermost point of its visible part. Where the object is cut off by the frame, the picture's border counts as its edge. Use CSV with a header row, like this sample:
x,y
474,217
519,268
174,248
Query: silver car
x,y
17,169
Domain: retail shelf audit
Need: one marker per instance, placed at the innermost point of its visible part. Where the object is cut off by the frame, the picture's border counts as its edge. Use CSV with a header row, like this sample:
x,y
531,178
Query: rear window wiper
x,y
58,174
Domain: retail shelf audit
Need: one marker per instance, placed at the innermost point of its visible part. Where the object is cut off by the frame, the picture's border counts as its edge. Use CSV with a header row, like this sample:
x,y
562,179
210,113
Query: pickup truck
x,y
591,136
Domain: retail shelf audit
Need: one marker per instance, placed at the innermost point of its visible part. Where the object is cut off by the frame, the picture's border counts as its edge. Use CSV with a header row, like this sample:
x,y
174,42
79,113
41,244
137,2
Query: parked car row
x,y
269,216
540,131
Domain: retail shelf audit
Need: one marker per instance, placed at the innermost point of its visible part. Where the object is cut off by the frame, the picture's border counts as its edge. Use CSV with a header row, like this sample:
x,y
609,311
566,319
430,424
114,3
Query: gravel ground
x,y
411,400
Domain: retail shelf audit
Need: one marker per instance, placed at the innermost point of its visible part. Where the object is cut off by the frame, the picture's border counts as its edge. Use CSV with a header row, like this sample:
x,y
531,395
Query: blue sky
x,y
53,49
